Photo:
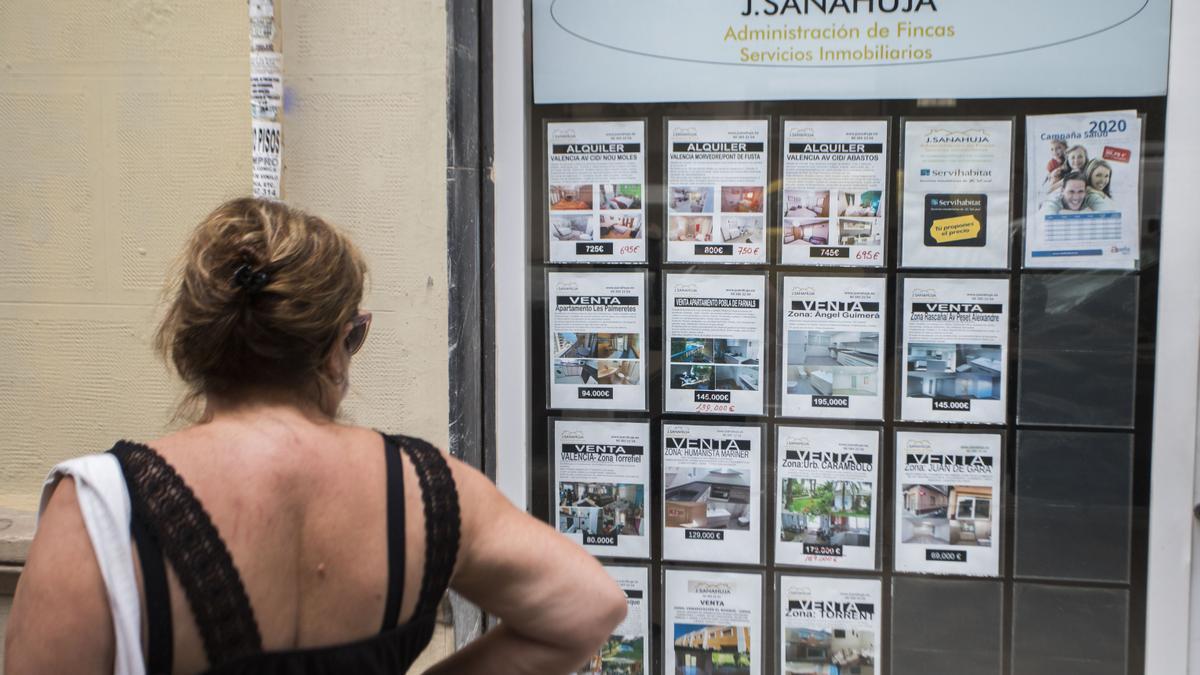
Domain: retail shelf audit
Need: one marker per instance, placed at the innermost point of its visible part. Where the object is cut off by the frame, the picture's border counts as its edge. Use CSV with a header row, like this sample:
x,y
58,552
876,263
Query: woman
x,y
292,543
1099,177
1077,159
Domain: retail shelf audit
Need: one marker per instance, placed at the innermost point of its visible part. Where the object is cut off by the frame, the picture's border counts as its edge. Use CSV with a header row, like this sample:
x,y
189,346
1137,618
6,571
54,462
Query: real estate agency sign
x,y
730,50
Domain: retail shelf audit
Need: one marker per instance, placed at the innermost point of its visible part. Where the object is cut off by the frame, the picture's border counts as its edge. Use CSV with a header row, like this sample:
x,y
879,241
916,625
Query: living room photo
x,y
602,508
571,197
570,345
828,651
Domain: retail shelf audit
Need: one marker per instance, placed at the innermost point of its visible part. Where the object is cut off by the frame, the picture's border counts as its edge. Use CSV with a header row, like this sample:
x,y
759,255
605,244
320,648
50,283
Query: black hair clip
x,y
250,280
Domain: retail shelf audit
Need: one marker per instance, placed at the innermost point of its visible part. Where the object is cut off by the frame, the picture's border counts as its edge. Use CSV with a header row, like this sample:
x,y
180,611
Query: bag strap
x,y
169,510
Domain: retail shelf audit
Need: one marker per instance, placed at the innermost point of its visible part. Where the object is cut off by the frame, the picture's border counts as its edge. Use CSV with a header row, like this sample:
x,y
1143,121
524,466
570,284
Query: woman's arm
x,y
60,620
556,603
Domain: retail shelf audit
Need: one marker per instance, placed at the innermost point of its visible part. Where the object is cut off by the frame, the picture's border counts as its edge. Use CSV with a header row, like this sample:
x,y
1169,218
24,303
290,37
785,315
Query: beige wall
x,y
122,122
365,145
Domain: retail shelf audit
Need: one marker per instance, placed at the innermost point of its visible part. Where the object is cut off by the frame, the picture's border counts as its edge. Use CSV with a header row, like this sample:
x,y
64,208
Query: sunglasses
x,y
359,326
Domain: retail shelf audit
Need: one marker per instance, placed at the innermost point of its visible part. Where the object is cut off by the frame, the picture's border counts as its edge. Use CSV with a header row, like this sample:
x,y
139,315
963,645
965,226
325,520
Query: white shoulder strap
x,y
104,503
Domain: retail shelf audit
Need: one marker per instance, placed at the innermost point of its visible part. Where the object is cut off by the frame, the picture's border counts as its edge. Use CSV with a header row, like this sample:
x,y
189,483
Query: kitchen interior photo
x,y
709,498
964,371
832,363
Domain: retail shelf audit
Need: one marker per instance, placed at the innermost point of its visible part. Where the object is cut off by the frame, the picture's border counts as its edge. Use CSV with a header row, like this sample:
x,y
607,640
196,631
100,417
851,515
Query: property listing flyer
x,y
834,192
715,325
596,181
948,503
826,500
955,350
716,191
625,651
832,331
601,479
713,622
1083,181
957,177
597,326
711,492
829,626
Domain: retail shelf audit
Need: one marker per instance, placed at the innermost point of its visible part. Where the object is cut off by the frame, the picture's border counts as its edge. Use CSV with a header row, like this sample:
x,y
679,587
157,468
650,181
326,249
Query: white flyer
x,y
597,326
712,491
826,507
957,193
834,192
713,622
955,356
833,328
829,626
716,191
625,652
601,478
715,325
266,157
266,85
1083,190
948,503
596,191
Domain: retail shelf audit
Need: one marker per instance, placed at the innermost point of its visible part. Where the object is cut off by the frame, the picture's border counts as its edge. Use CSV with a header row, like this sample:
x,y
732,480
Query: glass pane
x,y
1073,505
1069,631
944,627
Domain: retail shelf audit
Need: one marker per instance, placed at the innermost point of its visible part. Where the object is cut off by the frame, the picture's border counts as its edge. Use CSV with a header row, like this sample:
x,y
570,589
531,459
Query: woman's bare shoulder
x,y
60,620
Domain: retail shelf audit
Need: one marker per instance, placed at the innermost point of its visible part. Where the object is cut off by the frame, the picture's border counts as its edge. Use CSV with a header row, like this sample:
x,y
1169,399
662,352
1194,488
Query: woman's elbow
x,y
608,609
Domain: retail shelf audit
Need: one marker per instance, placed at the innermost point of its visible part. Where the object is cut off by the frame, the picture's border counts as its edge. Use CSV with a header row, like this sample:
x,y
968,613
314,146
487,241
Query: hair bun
x,y
250,280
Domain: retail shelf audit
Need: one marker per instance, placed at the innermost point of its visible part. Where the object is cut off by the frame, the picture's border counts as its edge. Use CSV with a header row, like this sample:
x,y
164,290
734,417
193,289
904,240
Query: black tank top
x,y
169,522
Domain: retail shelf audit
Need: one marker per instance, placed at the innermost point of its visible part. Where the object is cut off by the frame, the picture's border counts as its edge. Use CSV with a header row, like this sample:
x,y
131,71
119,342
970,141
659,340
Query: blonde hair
x,y
261,296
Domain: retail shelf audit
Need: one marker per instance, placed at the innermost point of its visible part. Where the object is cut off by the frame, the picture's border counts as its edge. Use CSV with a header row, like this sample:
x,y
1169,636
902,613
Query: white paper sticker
x,y
601,479
711,492
267,157
955,350
262,25
596,191
626,650
597,340
1083,190
948,503
829,625
266,84
716,191
826,501
957,177
835,194
713,622
715,325
832,329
